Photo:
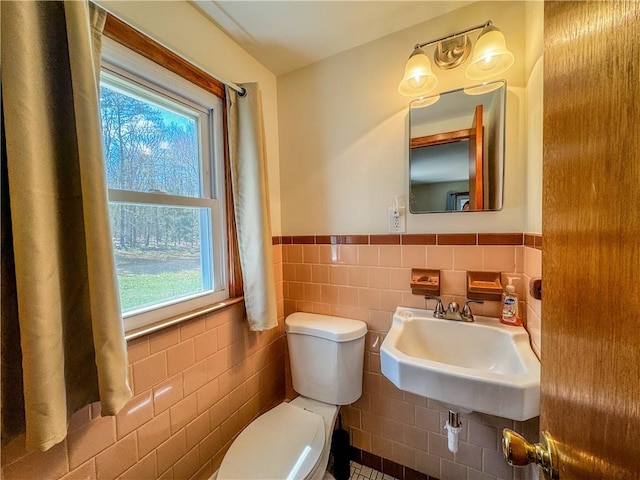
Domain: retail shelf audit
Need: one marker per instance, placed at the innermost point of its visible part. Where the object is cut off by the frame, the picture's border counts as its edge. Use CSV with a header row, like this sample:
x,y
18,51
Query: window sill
x,y
154,327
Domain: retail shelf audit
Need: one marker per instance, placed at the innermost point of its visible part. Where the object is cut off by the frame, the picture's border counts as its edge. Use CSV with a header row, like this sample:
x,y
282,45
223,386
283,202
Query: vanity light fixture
x,y
483,88
425,101
490,57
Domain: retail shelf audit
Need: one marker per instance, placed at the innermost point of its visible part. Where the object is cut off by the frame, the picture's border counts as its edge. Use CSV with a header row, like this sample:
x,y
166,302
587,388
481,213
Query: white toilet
x,y
292,440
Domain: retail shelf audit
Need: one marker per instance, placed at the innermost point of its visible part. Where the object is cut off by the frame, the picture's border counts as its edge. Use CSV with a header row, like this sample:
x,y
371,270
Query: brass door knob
x,y
519,452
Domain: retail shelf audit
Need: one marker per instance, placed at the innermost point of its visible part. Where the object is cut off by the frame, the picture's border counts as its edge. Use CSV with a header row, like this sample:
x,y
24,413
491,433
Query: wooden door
x,y
476,166
591,226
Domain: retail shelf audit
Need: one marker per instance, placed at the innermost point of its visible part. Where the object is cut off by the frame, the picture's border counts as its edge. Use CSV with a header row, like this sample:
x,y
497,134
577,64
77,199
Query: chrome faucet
x,y
467,314
453,311
438,312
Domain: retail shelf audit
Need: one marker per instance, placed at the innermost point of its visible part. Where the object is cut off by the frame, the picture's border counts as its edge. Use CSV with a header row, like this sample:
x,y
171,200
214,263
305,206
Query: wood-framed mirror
x,y
456,150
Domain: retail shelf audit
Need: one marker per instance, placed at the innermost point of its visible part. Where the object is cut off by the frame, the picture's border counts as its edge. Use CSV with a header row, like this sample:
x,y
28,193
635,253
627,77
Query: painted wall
x,y
535,30
344,133
183,29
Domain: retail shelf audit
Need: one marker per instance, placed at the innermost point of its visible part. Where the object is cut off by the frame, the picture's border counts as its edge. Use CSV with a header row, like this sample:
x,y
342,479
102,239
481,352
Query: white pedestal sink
x,y
483,366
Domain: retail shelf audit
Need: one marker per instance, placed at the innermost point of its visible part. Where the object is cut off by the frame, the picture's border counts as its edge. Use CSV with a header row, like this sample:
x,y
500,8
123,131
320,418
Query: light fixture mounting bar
x,y
453,35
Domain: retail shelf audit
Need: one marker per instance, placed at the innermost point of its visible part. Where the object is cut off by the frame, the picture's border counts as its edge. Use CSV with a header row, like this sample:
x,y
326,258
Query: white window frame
x,y
119,62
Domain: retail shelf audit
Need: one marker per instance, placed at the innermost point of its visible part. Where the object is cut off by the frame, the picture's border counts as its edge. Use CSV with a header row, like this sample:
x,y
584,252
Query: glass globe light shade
x,y
418,77
490,56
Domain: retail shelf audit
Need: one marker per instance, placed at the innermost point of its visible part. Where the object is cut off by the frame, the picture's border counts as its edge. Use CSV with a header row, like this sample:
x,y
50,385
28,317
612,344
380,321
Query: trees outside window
x,y
163,165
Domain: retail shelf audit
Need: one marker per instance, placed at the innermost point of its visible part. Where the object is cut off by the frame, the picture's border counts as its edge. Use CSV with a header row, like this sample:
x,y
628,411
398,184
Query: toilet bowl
x,y
293,439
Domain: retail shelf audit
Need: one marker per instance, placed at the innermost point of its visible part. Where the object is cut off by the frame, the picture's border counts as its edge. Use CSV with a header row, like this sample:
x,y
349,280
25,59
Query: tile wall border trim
x,y
532,240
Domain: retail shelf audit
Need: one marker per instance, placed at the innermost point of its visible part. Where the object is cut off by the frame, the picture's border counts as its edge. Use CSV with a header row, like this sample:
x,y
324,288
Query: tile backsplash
x,y
197,384
368,280
367,277
533,270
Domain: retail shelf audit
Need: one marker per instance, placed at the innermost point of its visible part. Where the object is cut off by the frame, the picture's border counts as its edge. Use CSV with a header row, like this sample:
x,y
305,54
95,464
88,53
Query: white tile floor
x,y
361,472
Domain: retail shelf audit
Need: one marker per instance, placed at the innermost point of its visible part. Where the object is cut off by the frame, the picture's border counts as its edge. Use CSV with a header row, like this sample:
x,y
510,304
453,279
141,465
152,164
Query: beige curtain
x,y
251,204
61,321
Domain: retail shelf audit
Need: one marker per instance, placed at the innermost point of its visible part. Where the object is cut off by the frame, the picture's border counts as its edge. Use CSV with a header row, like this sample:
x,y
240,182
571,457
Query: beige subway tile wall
x,y
196,385
368,282
533,270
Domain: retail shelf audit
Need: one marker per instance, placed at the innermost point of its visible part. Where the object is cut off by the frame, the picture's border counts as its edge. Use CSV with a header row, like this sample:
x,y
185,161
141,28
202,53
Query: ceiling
x,y
287,35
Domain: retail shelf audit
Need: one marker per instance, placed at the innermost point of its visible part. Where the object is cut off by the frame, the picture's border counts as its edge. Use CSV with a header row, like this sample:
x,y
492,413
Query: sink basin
x,y
483,366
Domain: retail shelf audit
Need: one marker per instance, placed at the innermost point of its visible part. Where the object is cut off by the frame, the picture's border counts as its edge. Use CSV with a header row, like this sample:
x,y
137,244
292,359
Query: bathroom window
x,y
163,148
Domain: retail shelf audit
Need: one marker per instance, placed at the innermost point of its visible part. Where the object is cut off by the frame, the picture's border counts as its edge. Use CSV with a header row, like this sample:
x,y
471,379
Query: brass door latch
x,y
519,452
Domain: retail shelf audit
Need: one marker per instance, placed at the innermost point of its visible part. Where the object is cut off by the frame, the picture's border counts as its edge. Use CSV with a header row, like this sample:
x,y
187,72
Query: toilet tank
x,y
326,355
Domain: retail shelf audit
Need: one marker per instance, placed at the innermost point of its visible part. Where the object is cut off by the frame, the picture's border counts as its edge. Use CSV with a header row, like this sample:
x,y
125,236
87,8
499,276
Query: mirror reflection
x,y
456,150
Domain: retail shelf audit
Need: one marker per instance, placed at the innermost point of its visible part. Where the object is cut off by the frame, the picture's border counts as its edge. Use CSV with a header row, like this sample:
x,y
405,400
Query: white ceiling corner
x,y
285,35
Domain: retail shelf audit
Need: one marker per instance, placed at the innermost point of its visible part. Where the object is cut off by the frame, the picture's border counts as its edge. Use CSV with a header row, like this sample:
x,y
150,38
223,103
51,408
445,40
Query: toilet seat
x,y
284,443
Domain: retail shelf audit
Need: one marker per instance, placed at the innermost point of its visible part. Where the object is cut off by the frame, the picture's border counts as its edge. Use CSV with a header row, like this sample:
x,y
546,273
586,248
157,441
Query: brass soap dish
x,y
484,286
425,281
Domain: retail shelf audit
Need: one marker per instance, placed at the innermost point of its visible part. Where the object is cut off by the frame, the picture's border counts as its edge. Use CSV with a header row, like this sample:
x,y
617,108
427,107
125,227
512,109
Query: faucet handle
x,y
466,310
438,312
453,307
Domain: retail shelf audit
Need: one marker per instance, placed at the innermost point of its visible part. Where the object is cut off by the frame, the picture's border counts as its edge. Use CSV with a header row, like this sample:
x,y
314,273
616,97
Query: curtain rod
x,y
240,90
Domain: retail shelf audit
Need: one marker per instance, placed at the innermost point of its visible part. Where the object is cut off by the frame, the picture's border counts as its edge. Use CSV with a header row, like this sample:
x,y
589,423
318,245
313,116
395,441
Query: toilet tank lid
x,y
337,329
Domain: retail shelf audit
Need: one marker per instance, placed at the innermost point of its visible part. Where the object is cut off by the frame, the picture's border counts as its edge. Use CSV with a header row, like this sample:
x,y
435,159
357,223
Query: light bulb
x,y
487,63
417,81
